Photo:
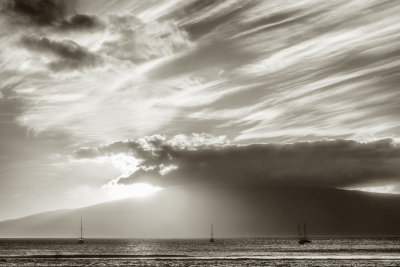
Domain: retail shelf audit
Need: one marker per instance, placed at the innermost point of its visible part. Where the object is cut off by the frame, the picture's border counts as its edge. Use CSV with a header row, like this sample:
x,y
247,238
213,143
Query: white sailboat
x,y
303,239
212,234
80,240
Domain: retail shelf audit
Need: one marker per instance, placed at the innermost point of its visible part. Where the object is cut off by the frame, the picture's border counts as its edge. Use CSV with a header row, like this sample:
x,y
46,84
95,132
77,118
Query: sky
x,y
103,100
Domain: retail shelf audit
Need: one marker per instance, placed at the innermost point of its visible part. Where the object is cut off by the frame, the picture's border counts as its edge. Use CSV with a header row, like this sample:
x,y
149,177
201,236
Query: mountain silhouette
x,y
235,212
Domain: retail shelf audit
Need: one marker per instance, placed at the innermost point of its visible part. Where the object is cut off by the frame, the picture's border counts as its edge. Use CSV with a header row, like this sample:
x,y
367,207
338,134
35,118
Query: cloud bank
x,y
333,164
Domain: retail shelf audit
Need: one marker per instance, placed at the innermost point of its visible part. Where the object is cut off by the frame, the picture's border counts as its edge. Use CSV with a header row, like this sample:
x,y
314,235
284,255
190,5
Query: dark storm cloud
x,y
81,21
41,12
57,13
69,54
338,163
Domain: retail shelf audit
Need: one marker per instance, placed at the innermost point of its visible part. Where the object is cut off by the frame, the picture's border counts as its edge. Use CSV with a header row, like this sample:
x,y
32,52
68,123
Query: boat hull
x,y
304,241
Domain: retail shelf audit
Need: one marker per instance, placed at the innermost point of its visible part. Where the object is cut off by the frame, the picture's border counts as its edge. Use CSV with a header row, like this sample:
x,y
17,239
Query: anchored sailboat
x,y
303,239
212,233
80,240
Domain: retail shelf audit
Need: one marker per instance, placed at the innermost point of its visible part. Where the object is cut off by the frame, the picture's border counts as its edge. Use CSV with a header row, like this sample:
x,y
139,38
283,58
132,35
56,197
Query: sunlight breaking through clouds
x,y
170,80
121,191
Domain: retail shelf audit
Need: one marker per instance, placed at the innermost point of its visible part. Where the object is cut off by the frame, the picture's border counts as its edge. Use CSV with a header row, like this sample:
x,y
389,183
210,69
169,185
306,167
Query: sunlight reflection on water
x,y
198,252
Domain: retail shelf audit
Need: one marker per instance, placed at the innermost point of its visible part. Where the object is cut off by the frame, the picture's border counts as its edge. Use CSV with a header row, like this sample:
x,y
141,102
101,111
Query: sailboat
x,y
80,240
212,240
303,239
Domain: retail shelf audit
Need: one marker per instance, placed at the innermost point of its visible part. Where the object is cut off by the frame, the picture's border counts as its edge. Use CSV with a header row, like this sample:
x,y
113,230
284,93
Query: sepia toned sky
x,y
97,96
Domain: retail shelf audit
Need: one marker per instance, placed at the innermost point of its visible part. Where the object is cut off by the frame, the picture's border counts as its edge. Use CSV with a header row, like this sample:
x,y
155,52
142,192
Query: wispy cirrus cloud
x,y
299,66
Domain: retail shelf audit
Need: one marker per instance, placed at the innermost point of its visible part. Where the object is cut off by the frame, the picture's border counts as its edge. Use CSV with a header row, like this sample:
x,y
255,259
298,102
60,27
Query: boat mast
x,y
212,231
299,230
81,229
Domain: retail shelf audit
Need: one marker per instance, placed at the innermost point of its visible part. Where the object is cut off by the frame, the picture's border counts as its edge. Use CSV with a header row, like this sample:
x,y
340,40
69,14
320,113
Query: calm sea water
x,y
200,252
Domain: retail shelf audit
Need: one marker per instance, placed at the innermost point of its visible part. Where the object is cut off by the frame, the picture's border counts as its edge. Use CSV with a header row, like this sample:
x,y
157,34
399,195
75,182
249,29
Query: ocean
x,y
200,252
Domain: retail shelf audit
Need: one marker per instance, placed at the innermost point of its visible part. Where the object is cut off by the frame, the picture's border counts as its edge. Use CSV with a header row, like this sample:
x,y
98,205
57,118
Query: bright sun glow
x,y
384,189
120,191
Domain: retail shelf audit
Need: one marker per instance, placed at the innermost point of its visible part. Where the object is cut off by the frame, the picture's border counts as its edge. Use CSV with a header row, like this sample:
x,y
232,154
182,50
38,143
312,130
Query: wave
x,y
191,257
